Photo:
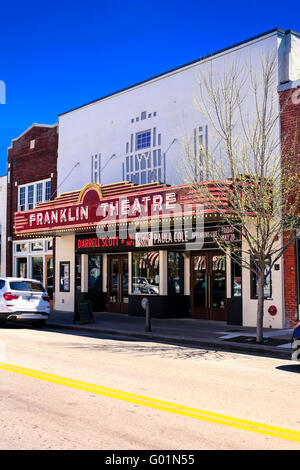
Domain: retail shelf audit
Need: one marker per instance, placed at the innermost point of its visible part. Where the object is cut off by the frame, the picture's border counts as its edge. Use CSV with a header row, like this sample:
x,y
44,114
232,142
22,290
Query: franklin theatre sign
x,y
91,209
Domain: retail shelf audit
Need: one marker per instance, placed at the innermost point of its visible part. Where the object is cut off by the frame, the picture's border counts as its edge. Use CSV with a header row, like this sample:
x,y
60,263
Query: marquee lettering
x,y
59,216
118,208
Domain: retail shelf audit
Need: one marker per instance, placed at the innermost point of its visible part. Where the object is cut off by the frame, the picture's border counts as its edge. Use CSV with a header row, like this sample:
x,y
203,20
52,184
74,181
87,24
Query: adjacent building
x,y
3,203
289,93
31,179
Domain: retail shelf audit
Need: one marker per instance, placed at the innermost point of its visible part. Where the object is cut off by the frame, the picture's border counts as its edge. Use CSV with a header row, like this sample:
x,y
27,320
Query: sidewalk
x,y
182,331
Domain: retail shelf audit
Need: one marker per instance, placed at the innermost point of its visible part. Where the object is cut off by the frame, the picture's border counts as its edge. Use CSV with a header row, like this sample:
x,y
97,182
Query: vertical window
x,y
49,278
48,191
154,136
22,199
30,196
39,192
159,157
143,177
175,273
78,272
96,168
236,279
37,268
64,276
21,267
95,273
218,281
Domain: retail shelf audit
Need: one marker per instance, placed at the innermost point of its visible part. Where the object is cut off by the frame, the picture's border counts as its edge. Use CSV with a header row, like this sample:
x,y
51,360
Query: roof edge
x,y
31,127
277,30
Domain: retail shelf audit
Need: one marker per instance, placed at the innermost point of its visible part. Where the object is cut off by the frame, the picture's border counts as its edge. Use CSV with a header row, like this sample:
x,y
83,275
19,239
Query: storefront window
x,y
218,281
175,273
37,268
21,267
200,281
78,273
145,272
236,279
64,276
95,272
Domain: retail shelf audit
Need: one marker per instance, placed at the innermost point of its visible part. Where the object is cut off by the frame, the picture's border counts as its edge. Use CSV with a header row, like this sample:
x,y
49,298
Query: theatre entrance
x,y
208,285
117,275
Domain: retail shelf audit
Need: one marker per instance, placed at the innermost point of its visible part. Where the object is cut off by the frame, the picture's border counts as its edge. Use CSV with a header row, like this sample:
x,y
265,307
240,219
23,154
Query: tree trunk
x,y
260,307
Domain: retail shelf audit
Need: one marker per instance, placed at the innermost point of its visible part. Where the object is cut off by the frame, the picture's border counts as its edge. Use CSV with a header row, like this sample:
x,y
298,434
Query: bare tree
x,y
249,167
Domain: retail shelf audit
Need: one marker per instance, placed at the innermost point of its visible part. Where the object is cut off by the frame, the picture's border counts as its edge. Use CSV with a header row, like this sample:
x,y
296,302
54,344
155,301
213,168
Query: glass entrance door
x,y
117,283
199,276
208,286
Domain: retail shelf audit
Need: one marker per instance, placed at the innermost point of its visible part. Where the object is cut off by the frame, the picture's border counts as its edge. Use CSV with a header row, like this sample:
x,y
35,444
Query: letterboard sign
x,y
84,312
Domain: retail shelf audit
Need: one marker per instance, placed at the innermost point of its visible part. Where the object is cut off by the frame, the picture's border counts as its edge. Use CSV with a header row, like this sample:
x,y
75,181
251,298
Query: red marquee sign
x,y
111,204
92,208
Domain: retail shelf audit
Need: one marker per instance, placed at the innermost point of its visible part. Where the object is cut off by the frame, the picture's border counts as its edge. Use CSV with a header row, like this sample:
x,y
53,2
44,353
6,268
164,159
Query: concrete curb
x,y
263,351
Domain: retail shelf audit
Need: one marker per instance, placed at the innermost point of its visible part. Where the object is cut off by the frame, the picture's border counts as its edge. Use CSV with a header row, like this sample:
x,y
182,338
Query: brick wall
x,y
290,144
25,165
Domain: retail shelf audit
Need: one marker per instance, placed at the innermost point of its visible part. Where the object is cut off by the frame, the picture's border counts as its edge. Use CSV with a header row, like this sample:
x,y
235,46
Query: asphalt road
x,y
70,391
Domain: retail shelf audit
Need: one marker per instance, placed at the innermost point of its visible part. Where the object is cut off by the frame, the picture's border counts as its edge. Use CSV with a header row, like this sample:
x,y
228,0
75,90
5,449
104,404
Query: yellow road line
x,y
195,413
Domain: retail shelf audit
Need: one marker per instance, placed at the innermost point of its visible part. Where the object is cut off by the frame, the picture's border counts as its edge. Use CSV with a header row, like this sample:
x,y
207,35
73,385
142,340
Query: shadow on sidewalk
x,y
290,368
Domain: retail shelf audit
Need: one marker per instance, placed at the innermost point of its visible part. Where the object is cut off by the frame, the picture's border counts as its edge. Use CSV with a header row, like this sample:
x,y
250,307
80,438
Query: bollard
x,y
146,306
148,319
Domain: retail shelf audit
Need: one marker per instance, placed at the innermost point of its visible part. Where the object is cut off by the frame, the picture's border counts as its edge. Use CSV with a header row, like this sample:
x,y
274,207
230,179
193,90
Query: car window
x,y
26,286
2,283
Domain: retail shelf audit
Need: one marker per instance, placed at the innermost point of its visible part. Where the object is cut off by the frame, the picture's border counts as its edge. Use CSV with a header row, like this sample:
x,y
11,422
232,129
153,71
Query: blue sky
x,y
55,56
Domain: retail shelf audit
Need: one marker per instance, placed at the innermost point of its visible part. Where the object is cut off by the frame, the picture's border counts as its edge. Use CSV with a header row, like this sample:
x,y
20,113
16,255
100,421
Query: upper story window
x,y
32,194
22,199
143,140
47,190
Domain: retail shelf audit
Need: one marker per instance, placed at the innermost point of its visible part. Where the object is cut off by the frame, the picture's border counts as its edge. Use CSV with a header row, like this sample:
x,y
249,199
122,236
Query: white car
x,y
142,285
23,299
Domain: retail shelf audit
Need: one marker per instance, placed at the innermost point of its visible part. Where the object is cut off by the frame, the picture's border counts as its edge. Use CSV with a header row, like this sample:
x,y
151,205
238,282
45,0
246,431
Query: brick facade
x,y
290,142
27,165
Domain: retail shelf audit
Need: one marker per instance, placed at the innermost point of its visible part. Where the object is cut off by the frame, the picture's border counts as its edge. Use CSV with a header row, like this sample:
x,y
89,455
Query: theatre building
x,y
118,243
